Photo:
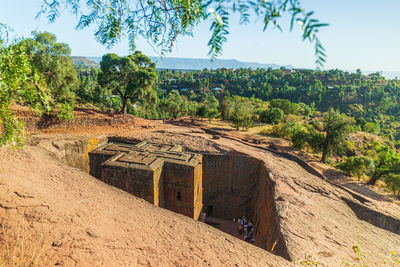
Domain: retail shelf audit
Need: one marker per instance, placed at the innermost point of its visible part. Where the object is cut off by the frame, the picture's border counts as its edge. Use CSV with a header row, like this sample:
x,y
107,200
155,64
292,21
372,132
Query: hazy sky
x,y
362,34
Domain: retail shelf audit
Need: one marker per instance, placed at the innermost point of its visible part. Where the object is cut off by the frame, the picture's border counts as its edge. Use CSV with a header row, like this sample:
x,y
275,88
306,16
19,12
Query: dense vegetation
x,y
371,100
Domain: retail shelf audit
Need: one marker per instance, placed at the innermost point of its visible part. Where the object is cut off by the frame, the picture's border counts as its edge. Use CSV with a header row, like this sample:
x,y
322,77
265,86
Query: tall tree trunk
x,y
42,104
123,109
324,153
374,178
377,174
325,148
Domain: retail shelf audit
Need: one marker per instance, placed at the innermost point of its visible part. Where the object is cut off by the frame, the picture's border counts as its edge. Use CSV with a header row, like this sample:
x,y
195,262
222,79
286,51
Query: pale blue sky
x,y
362,34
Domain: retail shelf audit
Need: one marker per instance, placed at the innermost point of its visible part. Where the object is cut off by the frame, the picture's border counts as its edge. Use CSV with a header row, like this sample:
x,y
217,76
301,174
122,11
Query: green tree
x,y
173,106
335,127
89,90
356,165
161,22
149,104
242,115
19,83
273,115
192,109
53,61
386,163
240,111
212,105
285,105
130,77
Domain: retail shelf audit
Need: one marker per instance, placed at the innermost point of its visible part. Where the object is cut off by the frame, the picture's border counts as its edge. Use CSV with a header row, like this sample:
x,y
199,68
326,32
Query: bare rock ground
x,y
63,217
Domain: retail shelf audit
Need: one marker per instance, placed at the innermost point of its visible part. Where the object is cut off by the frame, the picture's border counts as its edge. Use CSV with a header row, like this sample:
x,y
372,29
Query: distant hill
x,y
201,63
85,62
176,63
386,74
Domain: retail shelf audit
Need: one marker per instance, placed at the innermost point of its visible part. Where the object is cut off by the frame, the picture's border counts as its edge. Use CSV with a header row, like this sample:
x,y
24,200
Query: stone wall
x,y
137,181
238,185
73,151
183,195
95,162
229,182
264,215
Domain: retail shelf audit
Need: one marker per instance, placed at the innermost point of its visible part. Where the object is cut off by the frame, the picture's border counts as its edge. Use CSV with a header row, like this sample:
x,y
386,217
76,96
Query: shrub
x,y
347,148
12,129
371,127
392,182
265,131
356,166
300,139
292,118
313,123
317,113
285,130
211,114
272,115
316,140
202,111
285,105
308,137
65,112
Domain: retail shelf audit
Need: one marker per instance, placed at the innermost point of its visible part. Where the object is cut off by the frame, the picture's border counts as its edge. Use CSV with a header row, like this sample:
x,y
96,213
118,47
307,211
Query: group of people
x,y
245,227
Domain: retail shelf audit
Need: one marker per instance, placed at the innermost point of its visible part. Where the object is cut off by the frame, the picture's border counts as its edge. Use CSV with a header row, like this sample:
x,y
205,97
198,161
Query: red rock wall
x,y
238,185
138,182
184,180
228,184
265,217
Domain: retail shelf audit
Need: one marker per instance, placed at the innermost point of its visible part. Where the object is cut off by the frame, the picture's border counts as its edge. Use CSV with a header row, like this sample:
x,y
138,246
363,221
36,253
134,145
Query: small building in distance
x,y
160,174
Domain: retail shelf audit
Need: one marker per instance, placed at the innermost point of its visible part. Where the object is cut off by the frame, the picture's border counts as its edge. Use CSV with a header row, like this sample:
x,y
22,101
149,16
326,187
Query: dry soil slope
x,y
72,219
